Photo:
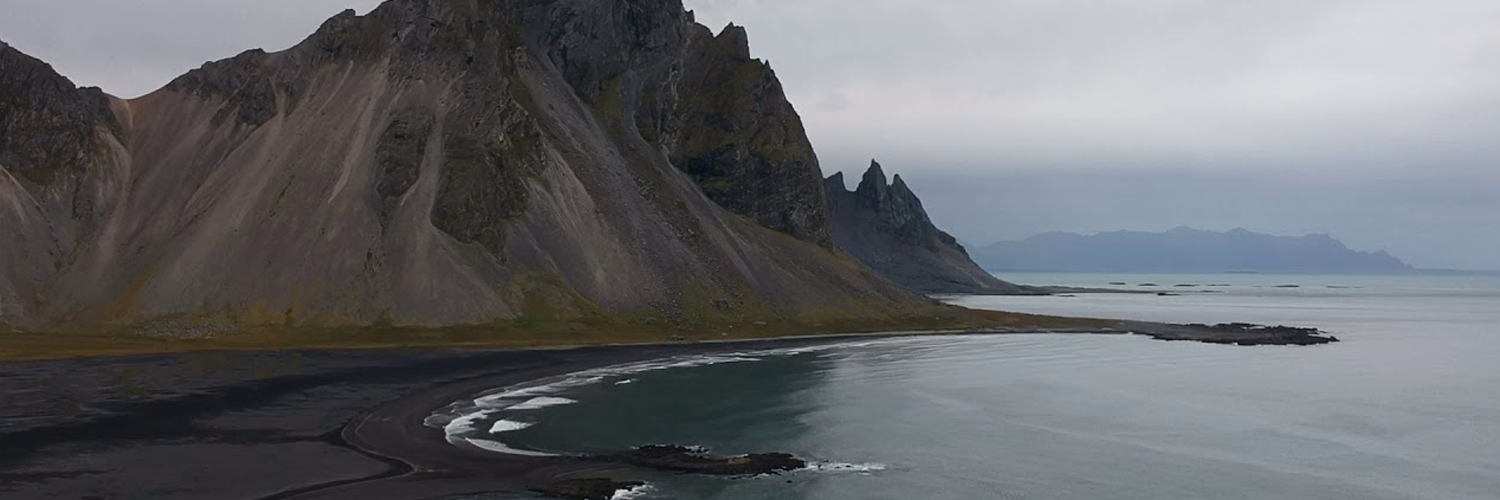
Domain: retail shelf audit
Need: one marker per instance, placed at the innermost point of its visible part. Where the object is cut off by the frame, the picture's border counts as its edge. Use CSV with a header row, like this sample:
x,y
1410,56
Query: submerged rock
x,y
697,461
587,489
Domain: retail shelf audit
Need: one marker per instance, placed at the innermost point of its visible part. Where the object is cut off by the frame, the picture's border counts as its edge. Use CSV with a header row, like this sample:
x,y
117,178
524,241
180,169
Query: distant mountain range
x,y
1184,250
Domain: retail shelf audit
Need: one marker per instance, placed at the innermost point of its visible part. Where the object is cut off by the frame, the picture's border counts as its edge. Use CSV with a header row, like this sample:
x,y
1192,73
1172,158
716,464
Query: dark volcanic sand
x,y
277,425
259,425
332,424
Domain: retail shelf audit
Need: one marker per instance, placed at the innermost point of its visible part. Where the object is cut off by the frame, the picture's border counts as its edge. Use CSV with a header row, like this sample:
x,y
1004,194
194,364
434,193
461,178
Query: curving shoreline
x,y
313,425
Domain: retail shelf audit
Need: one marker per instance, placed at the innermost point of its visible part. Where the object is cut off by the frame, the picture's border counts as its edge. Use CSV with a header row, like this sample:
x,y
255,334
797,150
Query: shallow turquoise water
x,y
1405,408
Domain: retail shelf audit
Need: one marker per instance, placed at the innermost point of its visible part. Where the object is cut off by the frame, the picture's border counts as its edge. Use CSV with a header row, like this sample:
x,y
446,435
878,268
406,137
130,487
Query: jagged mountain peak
x,y
837,179
884,225
899,188
737,38
873,178
49,127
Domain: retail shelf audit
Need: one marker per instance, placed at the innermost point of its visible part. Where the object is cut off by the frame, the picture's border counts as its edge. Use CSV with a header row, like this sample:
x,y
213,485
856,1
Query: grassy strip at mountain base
x,y
127,340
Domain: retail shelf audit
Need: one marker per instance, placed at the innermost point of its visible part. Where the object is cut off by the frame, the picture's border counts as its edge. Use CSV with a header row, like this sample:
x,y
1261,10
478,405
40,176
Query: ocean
x,y
1406,407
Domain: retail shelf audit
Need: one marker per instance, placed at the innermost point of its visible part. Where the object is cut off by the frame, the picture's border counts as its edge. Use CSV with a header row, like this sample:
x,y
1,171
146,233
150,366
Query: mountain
x,y
885,227
430,163
1184,250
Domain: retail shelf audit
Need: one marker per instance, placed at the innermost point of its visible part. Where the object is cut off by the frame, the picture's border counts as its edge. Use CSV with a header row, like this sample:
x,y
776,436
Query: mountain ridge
x,y
431,163
1183,249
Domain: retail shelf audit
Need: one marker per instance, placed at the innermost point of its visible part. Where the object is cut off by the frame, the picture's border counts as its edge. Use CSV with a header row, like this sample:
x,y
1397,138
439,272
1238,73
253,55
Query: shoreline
x,y
308,424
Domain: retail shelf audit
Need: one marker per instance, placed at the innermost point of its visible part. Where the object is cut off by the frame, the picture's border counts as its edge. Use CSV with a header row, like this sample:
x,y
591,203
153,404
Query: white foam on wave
x,y
542,402
636,492
842,467
509,397
503,426
465,423
499,447
458,420
529,396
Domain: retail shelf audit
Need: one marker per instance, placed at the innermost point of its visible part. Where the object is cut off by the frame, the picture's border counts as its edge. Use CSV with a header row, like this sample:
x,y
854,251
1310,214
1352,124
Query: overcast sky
x,y
1377,121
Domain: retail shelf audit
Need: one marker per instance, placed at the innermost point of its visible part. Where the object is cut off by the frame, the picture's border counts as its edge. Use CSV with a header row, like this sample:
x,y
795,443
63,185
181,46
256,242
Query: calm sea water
x,y
1407,407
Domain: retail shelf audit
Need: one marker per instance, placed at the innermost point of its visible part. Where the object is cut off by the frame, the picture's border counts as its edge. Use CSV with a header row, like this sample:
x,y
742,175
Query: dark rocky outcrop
x,y
48,126
426,164
586,489
398,155
884,226
1241,334
696,461
734,132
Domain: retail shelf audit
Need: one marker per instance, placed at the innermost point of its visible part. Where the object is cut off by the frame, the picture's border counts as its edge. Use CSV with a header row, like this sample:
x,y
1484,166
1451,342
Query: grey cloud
x,y
1275,85
1375,120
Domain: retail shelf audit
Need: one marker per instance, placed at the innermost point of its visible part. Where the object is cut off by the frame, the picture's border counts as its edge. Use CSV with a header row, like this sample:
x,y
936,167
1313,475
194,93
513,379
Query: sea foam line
x,y
542,402
465,422
458,420
499,447
632,493
837,467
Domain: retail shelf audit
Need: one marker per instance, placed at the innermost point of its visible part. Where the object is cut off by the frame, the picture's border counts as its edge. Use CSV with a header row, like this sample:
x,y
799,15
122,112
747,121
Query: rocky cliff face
x,y
49,126
884,226
430,163
739,138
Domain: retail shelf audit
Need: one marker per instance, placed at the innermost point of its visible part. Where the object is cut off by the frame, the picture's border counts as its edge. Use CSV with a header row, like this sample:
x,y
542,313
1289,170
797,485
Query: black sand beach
x,y
278,425
344,424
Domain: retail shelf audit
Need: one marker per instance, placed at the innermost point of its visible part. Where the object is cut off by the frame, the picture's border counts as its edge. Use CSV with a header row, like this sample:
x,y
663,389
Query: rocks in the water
x,y
587,489
1246,334
1118,283
670,458
697,461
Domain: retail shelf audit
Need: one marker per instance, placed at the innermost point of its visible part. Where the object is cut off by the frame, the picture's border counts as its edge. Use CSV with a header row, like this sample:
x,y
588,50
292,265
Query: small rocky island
x,y
586,489
1241,334
671,458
